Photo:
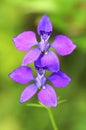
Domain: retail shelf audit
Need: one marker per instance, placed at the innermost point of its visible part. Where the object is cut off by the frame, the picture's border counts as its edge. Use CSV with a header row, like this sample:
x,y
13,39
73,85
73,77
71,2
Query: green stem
x,y
52,118
49,111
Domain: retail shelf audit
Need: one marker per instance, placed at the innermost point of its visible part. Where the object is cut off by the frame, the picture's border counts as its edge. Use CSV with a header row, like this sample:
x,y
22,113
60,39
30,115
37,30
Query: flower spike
x,y
44,59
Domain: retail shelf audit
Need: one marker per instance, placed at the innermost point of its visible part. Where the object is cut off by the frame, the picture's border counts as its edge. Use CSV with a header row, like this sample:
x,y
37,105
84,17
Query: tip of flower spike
x,y
44,26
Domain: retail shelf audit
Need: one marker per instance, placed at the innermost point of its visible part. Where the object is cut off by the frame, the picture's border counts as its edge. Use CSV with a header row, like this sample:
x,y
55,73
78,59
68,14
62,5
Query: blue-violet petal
x,y
22,75
59,79
47,96
44,25
63,45
25,40
31,56
28,92
50,61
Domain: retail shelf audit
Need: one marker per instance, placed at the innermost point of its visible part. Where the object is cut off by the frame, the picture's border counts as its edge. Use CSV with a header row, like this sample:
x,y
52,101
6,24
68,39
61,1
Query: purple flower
x,y
42,55
44,59
46,94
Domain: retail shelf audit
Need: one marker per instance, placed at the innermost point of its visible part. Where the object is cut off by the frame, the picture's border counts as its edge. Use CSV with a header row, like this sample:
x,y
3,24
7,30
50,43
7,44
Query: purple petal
x,y
28,92
50,61
31,56
59,79
47,96
63,45
22,75
44,25
25,40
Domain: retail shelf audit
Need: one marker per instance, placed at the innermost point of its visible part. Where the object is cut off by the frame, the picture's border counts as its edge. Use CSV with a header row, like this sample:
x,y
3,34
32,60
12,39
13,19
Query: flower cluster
x,y
44,60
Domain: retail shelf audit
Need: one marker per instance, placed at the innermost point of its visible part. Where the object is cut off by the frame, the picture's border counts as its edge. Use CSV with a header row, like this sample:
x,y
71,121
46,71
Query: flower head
x,y
44,59
26,40
46,95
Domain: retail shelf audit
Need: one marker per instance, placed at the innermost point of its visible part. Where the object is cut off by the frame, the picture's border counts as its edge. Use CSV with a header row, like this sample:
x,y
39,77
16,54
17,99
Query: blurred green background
x,y
68,17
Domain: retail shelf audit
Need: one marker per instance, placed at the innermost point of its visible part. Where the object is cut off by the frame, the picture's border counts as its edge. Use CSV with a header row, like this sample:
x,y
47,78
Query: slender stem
x,y
49,111
52,118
